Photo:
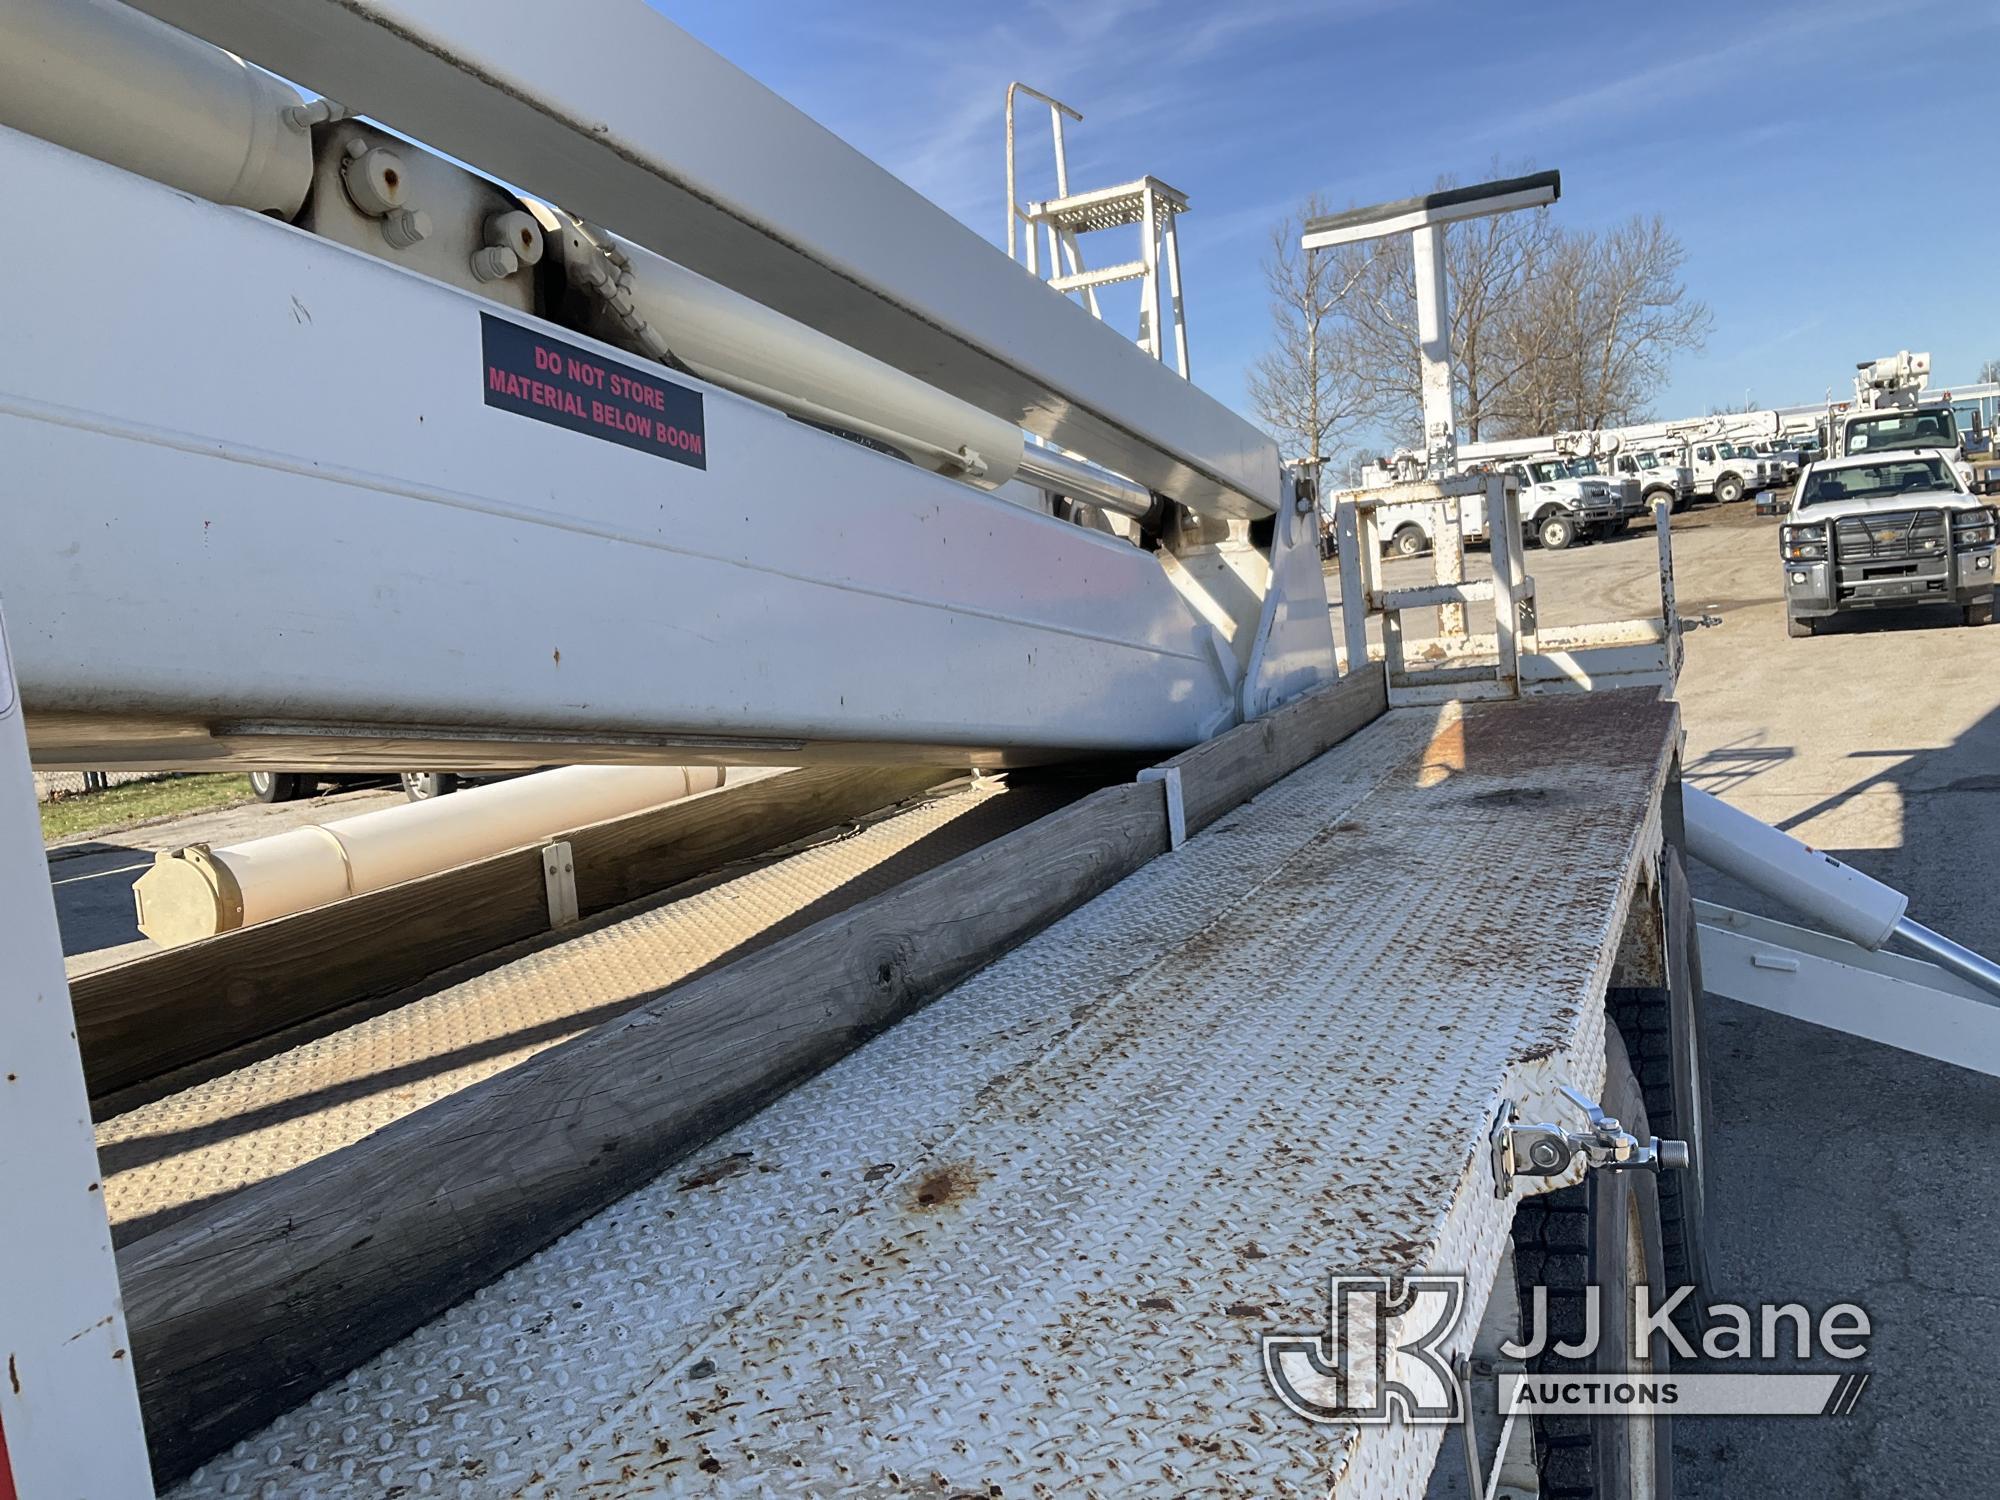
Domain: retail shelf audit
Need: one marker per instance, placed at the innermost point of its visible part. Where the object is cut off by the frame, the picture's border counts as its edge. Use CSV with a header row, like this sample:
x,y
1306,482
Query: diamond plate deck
x,y
169,1157
1024,1242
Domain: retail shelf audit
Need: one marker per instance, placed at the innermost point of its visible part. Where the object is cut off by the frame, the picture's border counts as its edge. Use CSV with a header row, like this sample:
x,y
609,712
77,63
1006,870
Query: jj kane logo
x,y
1390,1346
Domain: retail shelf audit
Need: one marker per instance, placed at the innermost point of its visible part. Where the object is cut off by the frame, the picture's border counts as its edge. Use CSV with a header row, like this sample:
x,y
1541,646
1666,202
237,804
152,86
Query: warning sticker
x,y
533,375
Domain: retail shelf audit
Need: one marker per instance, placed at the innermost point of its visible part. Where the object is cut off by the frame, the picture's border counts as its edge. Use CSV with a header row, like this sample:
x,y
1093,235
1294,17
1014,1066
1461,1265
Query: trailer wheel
x,y
280,786
1662,1031
1979,614
1728,490
1555,530
1603,1233
421,786
1800,627
1409,541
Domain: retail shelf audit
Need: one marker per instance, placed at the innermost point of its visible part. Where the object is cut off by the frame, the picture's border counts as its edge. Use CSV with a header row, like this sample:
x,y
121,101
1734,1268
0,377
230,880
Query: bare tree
x,y
1594,333
1301,390
1551,330
1488,265
1989,373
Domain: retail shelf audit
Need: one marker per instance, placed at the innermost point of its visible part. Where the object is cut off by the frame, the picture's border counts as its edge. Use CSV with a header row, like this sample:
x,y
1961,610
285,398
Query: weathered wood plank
x,y
1233,767
171,1009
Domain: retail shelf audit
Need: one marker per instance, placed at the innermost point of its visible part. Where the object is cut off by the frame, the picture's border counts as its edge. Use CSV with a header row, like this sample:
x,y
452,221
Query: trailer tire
x,y
1409,541
280,786
1604,1232
422,786
1555,531
1728,490
1662,1032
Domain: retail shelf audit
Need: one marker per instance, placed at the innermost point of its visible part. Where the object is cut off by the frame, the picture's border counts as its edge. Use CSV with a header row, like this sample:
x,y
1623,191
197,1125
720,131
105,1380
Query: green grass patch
x,y
135,802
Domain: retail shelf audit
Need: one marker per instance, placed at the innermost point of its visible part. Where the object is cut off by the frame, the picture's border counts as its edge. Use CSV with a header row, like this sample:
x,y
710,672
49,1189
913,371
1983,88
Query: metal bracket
x,y
1170,776
559,876
1549,1150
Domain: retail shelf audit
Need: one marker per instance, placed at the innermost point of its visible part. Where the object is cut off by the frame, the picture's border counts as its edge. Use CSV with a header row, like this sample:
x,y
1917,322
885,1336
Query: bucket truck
x,y
1891,413
540,387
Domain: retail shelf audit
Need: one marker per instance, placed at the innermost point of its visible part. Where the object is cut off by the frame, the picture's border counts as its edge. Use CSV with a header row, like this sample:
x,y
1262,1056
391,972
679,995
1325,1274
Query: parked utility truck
x,y
1890,415
1559,507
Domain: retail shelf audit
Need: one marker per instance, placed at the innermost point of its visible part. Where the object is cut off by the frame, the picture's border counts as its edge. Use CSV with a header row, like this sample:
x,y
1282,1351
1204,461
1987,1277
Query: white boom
x,y
681,575
610,110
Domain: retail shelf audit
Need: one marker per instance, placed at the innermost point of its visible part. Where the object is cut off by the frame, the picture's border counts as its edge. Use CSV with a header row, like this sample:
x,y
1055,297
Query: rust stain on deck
x,y
945,1186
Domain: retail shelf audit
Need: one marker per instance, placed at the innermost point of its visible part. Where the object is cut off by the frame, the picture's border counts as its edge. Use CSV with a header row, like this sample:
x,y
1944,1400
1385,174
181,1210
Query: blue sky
x,y
1781,141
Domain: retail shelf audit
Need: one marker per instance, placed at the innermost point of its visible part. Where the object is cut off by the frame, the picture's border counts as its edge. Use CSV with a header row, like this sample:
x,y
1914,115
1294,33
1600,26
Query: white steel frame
x,y
1518,658
1424,220
1149,204
1906,1003
624,119
69,1406
417,575
1063,247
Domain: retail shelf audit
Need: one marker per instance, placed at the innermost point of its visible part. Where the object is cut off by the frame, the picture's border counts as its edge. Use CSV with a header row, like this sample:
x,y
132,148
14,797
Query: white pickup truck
x,y
1873,530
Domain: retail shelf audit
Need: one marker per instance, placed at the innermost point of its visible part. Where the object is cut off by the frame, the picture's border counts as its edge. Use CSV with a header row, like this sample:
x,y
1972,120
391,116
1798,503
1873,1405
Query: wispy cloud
x,y
1690,74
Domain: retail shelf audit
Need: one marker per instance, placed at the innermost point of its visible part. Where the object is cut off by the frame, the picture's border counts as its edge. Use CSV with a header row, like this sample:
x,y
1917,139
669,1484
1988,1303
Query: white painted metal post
x,y
1353,586
1149,295
1670,615
1505,540
1434,348
69,1409
1448,563
1174,295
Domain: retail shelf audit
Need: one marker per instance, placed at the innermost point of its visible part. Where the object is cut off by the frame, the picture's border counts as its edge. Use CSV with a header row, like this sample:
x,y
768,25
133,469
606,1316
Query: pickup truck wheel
x,y
1555,531
1662,1029
1602,1233
280,786
1728,490
1979,614
1409,541
421,786
1800,627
